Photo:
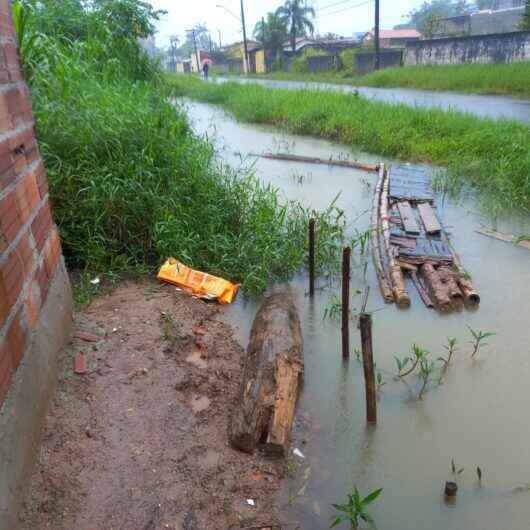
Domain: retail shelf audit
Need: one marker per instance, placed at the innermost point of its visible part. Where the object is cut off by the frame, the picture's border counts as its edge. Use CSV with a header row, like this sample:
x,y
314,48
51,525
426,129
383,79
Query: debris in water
x,y
298,453
95,281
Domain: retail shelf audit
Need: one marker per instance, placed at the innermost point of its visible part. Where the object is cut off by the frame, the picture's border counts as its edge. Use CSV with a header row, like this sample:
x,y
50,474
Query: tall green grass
x,y
130,183
497,79
491,156
504,79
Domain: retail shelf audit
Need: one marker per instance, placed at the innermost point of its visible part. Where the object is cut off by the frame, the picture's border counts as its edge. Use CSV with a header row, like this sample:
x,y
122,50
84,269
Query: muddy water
x,y
479,416
483,106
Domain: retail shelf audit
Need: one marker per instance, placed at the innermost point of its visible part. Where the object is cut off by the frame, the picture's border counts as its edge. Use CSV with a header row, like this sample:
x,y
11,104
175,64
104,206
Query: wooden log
x,y
410,224
365,323
471,295
438,290
272,378
424,295
508,238
314,160
449,277
401,296
312,257
429,219
382,277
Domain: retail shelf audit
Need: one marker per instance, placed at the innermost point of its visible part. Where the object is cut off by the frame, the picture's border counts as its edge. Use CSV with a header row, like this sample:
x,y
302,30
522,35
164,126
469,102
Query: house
x,y
505,18
331,46
392,38
236,53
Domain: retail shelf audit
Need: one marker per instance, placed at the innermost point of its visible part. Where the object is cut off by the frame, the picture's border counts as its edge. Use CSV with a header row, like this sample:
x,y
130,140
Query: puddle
x,y
478,416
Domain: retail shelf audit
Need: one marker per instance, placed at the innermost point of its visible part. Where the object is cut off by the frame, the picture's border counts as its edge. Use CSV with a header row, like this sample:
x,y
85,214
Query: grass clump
x,y
491,156
130,183
502,79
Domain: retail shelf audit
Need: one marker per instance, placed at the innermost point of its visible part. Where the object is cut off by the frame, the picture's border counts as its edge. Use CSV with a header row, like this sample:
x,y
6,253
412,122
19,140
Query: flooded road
x,y
479,416
483,106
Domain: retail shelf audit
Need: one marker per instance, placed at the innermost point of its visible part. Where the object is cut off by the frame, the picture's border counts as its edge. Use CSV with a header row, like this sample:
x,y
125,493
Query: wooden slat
x,y
430,221
408,218
508,238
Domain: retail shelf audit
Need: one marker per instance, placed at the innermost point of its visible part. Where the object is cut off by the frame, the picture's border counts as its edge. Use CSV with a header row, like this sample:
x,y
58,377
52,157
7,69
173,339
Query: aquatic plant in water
x,y
354,510
478,339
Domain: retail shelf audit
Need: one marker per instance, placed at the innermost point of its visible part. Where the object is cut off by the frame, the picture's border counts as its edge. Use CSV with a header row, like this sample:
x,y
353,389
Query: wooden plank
x,y
406,242
508,238
428,216
408,218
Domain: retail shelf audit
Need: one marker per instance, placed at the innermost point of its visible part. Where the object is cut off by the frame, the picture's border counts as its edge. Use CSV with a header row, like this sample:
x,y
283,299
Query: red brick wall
x,y
30,248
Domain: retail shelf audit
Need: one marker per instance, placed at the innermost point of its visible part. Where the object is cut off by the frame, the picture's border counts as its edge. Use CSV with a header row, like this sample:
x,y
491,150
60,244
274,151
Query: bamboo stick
x,y
397,280
382,277
313,160
312,257
346,253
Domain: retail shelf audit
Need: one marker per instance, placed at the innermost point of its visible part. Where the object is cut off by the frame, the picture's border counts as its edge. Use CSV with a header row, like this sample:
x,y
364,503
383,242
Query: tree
x,y
428,16
295,16
271,33
525,21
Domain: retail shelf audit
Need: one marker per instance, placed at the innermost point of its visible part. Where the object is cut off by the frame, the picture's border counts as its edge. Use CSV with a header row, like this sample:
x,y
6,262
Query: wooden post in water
x,y
365,323
346,253
312,257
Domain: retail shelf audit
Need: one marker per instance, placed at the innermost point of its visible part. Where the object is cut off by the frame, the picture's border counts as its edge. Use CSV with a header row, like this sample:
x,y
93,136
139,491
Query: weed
x,y
401,364
419,354
173,333
451,348
334,309
380,381
360,240
478,339
354,510
426,370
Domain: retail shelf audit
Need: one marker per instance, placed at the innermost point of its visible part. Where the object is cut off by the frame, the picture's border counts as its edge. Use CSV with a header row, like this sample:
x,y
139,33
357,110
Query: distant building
x,y
505,18
392,38
235,55
331,46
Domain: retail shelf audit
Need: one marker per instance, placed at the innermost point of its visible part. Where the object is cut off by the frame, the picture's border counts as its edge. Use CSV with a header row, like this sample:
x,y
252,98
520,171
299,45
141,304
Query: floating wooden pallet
x,y
416,244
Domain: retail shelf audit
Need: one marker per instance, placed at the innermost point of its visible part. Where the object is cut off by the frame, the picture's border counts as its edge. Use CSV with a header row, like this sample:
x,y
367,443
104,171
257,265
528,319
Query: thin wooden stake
x,y
365,323
346,253
312,257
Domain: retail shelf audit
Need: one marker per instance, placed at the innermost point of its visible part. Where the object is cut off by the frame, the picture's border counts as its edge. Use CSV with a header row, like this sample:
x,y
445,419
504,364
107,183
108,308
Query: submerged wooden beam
x,y
508,238
272,378
314,160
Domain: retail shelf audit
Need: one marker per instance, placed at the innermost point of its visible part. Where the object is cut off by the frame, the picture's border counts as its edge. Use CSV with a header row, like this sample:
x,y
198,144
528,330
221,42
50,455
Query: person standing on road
x,y
205,68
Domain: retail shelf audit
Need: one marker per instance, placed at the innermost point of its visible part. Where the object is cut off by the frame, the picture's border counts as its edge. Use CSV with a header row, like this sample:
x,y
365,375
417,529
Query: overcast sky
x,y
343,17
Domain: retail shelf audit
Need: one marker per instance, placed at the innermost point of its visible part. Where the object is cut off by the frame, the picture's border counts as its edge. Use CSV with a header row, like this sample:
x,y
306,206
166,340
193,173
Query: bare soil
x,y
139,441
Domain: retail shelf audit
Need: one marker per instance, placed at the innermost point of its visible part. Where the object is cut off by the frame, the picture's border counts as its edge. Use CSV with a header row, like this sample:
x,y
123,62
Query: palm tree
x,y
271,33
296,18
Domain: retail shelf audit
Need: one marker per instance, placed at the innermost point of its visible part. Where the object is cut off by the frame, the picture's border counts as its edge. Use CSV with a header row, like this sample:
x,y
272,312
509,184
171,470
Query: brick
x,y
16,268
44,282
4,304
41,226
27,196
6,370
7,172
17,339
10,221
32,304
52,253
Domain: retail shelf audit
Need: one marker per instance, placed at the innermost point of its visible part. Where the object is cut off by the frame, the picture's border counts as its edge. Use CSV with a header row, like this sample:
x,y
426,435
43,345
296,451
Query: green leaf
x,y
367,518
337,521
346,508
372,497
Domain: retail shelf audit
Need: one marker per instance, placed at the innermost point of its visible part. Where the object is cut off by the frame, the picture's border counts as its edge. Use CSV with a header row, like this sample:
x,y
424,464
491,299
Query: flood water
x,y
483,106
479,416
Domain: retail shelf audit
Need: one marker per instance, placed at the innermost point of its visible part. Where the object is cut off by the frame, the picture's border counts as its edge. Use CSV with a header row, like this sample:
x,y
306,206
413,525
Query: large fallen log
x,y
272,378
438,289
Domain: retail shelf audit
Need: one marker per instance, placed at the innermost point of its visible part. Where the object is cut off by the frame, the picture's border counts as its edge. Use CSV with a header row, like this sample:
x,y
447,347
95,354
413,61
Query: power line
x,y
334,4
347,8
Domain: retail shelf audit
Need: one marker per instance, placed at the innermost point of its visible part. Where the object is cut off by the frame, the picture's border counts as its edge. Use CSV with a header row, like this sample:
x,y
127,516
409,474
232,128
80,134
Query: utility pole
x,y
192,31
376,37
220,43
244,37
